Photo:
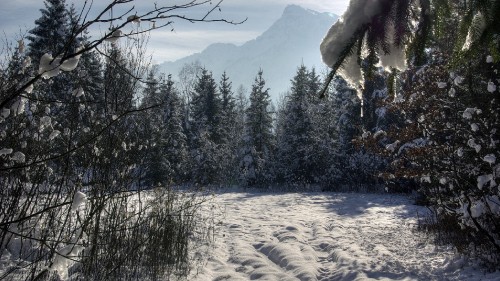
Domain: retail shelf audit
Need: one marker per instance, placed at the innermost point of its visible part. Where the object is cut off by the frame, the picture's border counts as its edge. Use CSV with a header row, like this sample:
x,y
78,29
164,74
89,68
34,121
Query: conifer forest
x,y
381,164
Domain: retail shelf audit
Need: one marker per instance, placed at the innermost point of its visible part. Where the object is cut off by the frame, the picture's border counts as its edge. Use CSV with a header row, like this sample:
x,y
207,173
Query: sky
x,y
183,38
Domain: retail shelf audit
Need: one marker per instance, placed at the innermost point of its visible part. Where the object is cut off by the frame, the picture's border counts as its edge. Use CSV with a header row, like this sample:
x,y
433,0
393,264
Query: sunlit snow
x,y
327,236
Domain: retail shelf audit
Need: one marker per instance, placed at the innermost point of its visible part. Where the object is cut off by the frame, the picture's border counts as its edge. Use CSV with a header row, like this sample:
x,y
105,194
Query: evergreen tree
x,y
228,110
206,131
155,165
118,84
259,140
231,132
296,151
206,107
50,32
389,31
175,150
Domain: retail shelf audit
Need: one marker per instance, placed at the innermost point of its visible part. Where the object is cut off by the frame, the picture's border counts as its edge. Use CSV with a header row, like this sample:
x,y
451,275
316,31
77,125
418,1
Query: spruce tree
x,y
118,84
228,110
153,129
175,144
206,107
206,131
50,32
231,133
259,140
297,143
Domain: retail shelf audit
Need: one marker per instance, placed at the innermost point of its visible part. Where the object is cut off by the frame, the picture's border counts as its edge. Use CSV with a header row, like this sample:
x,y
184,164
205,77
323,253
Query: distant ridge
x,y
292,40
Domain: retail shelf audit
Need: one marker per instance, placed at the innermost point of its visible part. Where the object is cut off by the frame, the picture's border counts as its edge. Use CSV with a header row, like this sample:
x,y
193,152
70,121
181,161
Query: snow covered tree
x,y
296,145
69,172
155,166
388,29
206,107
206,131
228,107
443,142
118,86
231,131
259,143
176,150
165,151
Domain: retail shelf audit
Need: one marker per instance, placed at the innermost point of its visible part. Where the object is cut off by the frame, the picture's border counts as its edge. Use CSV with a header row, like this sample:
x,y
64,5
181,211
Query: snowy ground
x,y
327,236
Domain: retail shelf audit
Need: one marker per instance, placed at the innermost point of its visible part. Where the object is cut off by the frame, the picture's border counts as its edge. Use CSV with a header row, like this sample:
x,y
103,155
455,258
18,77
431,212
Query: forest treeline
x,y
92,127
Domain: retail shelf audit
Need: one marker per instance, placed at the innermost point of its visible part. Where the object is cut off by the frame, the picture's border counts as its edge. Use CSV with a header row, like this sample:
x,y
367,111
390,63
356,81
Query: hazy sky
x,y
18,16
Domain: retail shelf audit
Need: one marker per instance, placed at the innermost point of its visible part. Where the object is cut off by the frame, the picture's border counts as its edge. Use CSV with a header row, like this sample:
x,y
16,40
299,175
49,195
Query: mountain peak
x,y
294,10
292,40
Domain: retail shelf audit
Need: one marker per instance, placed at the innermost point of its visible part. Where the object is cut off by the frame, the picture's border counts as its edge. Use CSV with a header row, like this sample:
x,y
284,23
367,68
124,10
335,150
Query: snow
x,y
49,67
18,106
78,92
396,58
339,35
452,92
441,85
468,113
391,147
490,158
5,151
26,62
458,80
134,18
472,144
45,122
78,199
71,63
63,259
379,133
114,36
54,134
19,157
492,87
475,30
5,113
489,59
484,179
426,179
29,89
327,236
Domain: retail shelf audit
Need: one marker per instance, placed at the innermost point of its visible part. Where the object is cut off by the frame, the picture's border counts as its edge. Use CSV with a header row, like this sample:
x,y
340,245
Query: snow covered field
x,y
327,236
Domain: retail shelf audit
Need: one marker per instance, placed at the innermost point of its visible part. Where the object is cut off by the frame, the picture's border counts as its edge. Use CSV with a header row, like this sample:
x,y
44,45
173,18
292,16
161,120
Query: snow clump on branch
x,y
339,36
50,67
